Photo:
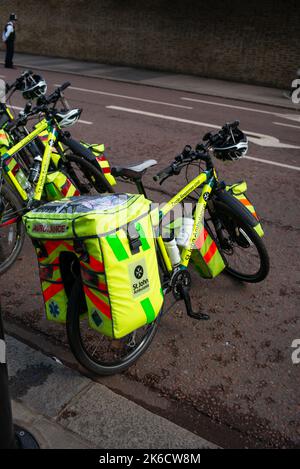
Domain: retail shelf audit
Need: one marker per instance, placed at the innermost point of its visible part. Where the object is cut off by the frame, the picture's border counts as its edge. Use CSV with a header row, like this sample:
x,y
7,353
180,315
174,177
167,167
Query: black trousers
x,y
10,48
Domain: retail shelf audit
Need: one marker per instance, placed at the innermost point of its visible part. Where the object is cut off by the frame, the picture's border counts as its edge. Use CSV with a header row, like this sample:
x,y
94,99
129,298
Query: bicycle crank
x,y
181,284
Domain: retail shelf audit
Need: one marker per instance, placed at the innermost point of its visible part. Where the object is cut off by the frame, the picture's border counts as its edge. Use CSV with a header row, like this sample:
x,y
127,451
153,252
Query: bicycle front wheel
x,y
245,253
97,353
12,231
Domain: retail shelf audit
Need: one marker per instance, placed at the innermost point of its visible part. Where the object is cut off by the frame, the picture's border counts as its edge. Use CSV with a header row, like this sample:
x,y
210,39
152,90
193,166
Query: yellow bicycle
x,y
220,232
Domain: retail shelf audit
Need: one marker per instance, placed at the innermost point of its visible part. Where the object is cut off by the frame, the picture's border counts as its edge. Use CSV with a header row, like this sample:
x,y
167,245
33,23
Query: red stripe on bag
x,y
102,286
101,305
201,238
68,246
96,265
52,290
212,249
51,246
66,187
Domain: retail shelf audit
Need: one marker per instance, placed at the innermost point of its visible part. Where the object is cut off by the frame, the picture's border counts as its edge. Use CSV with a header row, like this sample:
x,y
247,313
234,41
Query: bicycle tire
x,y
226,215
8,195
100,182
73,322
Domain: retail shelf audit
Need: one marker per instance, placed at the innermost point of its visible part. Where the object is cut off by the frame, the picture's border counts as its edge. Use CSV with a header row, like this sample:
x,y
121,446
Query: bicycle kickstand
x,y
185,296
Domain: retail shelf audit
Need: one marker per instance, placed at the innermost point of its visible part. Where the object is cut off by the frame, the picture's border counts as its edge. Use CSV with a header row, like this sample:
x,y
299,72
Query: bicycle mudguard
x,y
234,197
91,153
98,150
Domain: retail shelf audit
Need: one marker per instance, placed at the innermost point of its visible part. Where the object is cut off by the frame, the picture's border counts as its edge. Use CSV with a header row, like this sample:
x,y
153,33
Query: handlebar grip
x,y
64,86
163,174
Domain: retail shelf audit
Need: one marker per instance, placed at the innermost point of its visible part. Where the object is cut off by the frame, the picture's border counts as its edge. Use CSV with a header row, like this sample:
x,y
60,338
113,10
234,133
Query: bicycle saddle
x,y
133,171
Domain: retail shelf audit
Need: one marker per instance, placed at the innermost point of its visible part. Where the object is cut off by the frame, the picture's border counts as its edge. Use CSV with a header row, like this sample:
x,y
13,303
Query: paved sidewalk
x,y
187,83
63,409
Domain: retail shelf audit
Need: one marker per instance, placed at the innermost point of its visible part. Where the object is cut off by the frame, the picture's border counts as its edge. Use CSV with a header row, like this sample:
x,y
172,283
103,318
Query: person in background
x,y
9,36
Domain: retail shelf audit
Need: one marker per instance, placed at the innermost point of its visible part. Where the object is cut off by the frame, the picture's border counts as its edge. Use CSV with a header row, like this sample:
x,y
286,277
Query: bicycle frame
x,y
208,179
52,130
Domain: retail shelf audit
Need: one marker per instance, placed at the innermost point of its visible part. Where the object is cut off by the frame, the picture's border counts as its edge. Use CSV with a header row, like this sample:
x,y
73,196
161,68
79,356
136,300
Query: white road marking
x,y
287,125
273,163
292,117
127,97
17,108
242,108
214,103
255,137
204,124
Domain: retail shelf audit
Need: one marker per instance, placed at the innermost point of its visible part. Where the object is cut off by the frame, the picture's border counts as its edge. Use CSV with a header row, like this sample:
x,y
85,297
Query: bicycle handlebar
x,y
187,156
201,152
42,106
56,95
19,81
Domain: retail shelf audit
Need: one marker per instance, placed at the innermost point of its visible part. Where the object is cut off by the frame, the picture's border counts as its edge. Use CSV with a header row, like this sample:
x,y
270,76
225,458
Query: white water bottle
x,y
185,232
173,252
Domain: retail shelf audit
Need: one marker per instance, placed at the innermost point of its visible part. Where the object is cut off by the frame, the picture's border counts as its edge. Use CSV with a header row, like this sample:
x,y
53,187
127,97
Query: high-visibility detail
x,y
143,238
98,302
259,230
117,247
239,192
58,185
201,238
211,251
98,152
52,290
206,257
121,283
96,264
4,139
148,309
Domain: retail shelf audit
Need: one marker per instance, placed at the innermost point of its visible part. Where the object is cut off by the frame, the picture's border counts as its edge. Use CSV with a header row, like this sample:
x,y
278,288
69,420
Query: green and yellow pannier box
x,y
206,256
112,237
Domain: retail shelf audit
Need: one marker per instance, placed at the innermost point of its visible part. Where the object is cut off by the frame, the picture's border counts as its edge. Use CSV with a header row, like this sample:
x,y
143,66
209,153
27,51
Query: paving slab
x,y
111,421
48,433
63,409
40,382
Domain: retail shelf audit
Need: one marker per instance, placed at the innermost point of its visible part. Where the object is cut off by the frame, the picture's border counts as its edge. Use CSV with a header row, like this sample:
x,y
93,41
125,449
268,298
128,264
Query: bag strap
x,y
133,238
80,248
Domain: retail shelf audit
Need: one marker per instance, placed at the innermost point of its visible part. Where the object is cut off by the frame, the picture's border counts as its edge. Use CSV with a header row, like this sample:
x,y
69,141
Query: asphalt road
x,y
235,369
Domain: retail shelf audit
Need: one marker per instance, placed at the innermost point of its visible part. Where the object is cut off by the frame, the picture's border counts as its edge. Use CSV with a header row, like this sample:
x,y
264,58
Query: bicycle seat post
x,y
140,186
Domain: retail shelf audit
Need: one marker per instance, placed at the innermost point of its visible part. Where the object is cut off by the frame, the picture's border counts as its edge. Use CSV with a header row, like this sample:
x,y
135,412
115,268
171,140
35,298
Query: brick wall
x,y
252,41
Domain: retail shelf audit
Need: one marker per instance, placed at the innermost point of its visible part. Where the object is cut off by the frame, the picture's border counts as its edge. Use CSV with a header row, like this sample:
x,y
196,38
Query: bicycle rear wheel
x,y
246,255
97,353
12,231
